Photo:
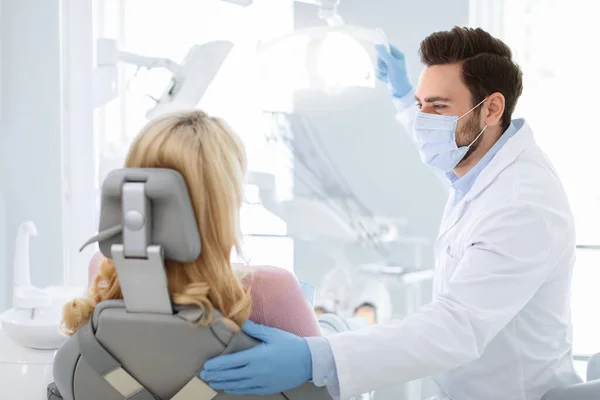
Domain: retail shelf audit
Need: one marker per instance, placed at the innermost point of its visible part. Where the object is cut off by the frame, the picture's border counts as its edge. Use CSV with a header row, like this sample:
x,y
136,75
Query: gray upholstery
x,y
53,393
152,351
580,391
173,219
589,390
593,368
332,323
155,349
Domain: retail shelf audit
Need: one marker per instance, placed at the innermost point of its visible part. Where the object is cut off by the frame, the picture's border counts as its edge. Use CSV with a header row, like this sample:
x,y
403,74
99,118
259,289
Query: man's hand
x,y
281,362
391,69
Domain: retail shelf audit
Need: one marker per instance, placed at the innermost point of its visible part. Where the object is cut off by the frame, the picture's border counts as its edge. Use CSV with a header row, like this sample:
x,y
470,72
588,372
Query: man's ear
x,y
493,109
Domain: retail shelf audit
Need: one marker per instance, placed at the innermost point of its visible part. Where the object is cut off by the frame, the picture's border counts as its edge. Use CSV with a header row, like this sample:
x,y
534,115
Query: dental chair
x,y
589,390
332,323
144,347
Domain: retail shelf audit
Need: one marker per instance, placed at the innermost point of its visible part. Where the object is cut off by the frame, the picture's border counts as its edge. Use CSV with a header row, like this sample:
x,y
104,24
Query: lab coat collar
x,y
521,140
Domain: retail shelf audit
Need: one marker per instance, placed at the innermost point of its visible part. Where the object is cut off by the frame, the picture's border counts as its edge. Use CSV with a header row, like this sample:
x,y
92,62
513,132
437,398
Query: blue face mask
x,y
436,138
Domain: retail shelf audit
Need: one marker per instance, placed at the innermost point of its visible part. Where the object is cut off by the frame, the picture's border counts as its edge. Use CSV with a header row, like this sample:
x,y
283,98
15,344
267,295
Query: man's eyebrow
x,y
433,99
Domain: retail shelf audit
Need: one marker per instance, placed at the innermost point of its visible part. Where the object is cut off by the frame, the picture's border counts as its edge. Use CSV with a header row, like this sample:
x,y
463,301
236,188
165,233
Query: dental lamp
x,y
243,3
327,8
334,56
188,83
328,12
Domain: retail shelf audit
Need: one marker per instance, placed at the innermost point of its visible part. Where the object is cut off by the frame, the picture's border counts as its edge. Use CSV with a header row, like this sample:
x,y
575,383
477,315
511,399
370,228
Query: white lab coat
x,y
499,326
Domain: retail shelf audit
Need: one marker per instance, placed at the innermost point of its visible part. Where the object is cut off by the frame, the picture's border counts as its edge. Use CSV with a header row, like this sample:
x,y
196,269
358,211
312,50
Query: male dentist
x,y
499,326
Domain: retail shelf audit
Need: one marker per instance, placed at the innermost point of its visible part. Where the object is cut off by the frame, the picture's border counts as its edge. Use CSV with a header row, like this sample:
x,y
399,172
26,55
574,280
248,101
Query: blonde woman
x,y
212,160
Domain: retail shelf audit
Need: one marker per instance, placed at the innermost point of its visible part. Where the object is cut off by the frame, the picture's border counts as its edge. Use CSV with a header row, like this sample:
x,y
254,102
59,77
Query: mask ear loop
x,y
478,136
477,105
484,128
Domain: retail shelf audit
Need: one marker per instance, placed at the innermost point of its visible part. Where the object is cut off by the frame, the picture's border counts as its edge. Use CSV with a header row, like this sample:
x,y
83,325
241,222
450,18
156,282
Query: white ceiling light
x,y
326,58
243,3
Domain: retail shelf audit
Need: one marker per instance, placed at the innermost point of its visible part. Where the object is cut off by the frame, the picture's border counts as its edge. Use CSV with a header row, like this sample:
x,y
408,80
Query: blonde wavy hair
x,y
212,160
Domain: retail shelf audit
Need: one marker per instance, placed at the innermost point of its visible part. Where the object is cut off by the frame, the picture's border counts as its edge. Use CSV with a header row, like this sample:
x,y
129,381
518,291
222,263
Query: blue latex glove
x,y
391,68
281,362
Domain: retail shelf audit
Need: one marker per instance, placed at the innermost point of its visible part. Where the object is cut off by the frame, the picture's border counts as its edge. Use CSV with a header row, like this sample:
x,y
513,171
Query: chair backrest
x,y
143,347
593,368
589,390
579,391
332,324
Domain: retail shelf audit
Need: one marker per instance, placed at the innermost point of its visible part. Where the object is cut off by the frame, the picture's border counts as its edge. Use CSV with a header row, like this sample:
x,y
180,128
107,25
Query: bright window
x,y
557,79
551,41
168,29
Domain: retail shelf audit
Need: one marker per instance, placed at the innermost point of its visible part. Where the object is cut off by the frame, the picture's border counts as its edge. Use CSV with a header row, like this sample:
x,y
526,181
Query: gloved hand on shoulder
x,y
281,362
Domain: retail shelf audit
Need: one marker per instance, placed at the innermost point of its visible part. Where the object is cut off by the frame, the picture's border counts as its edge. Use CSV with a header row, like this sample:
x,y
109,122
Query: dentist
x,y
499,325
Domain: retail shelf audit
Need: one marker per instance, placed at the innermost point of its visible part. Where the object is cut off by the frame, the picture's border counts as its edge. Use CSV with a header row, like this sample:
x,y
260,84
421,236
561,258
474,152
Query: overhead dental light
x,y
327,58
243,3
188,83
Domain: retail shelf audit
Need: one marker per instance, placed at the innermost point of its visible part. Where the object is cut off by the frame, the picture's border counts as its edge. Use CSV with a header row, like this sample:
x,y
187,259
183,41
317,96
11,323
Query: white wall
x,y
30,136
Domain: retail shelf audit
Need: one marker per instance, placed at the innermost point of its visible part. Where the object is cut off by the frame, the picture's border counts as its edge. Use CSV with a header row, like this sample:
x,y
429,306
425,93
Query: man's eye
x,y
419,105
439,106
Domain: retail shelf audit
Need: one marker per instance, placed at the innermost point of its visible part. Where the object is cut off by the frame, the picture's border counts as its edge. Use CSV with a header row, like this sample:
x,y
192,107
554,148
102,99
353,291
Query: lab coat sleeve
x,y
323,365
406,110
505,261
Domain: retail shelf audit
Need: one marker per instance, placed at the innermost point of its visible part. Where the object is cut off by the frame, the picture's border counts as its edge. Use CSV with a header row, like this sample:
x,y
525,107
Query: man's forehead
x,y
434,96
441,82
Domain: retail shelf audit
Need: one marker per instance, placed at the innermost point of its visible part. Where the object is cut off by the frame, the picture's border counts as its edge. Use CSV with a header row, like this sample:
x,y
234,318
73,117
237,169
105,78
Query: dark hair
x,y
487,64
369,305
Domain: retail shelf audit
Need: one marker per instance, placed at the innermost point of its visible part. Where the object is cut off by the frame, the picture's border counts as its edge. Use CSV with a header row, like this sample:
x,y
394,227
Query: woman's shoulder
x,y
279,302
270,284
267,273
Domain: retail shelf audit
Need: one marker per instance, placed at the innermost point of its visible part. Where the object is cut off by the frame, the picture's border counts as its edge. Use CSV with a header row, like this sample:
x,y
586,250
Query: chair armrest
x,y
593,368
579,391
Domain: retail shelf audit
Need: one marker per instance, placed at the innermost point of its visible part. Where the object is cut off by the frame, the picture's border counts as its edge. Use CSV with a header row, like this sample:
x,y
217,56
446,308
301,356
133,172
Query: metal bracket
x,y
143,281
139,264
137,215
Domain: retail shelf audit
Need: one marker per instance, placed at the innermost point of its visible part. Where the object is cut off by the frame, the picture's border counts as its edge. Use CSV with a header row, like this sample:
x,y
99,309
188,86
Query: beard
x,y
467,134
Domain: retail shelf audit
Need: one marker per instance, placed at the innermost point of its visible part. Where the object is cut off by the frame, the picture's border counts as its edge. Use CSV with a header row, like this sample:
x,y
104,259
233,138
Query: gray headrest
x,y
173,222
